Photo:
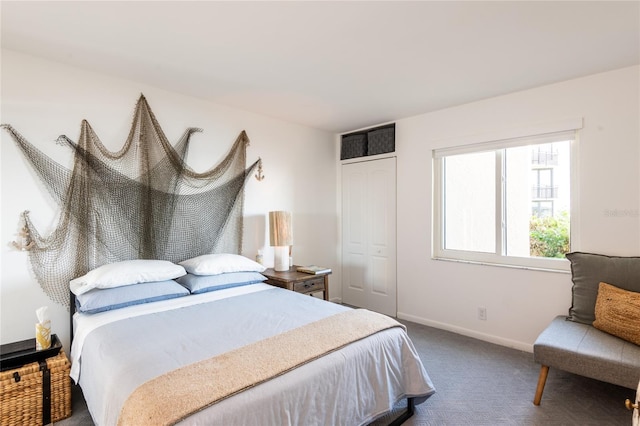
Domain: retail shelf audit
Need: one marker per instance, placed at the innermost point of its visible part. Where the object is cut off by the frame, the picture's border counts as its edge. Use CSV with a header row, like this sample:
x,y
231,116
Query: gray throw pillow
x,y
588,270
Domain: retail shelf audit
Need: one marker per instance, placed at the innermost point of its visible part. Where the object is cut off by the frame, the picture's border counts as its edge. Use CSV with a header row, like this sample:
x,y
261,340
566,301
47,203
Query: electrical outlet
x,y
482,314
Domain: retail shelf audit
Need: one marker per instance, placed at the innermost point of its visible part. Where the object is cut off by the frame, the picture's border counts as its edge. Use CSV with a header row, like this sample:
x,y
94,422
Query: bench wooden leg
x,y
542,379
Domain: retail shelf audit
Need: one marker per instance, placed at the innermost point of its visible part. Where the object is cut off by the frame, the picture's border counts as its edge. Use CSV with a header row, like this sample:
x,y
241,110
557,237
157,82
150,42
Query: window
x,y
505,202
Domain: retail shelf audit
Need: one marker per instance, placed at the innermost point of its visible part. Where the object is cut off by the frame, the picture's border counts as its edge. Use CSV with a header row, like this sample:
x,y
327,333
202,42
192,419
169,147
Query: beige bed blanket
x,y
171,397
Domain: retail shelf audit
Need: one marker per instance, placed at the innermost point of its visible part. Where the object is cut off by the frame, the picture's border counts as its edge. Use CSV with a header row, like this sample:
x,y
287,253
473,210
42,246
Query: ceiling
x,y
336,66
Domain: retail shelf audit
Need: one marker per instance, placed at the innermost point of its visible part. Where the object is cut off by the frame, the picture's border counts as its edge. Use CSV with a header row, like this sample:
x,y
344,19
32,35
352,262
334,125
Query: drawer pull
x,y
630,406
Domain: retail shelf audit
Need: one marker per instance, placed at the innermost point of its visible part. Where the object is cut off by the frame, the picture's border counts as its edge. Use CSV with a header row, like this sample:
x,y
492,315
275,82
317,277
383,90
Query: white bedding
x,y
83,324
351,386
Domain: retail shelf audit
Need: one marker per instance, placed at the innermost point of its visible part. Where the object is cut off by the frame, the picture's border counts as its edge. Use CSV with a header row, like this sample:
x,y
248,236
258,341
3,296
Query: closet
x,y
369,234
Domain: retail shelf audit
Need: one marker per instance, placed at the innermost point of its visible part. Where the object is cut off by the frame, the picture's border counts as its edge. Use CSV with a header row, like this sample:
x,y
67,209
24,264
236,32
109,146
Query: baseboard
x,y
514,344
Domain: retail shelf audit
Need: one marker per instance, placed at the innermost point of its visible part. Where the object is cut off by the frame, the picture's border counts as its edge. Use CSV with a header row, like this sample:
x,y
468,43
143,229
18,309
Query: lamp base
x,y
281,261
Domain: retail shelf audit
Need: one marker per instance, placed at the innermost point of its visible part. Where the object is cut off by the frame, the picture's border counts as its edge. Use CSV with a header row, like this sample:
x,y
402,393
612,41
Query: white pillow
x,y
126,273
213,264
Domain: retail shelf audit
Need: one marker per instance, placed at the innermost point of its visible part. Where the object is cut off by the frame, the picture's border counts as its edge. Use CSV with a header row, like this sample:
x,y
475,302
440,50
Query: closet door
x,y
369,235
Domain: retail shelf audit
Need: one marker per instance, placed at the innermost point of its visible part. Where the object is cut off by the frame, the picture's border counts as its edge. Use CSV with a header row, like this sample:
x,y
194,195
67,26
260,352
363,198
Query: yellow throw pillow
x,y
618,312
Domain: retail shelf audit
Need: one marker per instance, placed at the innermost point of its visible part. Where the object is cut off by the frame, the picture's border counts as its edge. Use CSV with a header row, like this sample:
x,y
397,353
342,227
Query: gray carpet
x,y
479,383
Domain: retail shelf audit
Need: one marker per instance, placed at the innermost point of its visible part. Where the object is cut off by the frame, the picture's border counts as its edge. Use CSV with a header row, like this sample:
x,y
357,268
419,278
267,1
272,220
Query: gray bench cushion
x,y
582,349
588,270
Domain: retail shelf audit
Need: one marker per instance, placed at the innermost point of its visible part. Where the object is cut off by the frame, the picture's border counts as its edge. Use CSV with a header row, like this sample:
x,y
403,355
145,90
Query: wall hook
x,y
259,175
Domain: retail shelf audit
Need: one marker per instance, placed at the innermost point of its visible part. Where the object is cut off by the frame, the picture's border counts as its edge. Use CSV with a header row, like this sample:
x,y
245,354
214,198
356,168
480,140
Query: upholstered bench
x,y
572,343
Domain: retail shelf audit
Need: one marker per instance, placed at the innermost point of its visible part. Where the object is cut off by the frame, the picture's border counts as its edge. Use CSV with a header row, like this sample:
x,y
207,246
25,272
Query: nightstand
x,y
36,387
299,281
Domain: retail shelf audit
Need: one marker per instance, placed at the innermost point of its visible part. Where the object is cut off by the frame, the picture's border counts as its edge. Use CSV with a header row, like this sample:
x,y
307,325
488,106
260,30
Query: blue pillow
x,y
203,283
99,300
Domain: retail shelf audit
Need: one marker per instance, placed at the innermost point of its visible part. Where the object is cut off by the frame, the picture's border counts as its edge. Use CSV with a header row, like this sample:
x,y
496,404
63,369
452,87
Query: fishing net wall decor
x,y
141,202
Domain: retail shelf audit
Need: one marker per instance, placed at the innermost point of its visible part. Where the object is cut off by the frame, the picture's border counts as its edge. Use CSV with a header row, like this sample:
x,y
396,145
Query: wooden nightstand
x,y
299,281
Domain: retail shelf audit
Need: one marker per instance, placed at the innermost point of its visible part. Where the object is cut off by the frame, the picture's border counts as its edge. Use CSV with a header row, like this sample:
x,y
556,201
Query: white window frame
x,y
536,134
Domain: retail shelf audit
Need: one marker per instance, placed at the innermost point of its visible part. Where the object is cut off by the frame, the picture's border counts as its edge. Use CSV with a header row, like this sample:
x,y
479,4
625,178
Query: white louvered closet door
x,y
369,235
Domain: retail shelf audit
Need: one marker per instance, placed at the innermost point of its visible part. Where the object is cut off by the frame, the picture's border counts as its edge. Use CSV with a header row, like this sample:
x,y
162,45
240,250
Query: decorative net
x,y
142,202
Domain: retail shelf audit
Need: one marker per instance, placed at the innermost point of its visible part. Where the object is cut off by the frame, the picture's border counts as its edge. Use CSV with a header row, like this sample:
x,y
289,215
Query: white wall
x,y
43,100
519,303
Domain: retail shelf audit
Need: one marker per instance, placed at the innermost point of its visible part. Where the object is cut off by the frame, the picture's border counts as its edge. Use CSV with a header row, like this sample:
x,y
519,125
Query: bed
x,y
232,350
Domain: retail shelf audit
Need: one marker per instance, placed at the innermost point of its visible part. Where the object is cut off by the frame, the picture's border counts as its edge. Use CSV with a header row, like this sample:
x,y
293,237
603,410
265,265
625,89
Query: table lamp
x,y
281,237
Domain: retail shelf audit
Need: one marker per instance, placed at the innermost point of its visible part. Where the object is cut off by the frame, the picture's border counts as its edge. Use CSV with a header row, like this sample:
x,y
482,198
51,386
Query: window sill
x,y
563,262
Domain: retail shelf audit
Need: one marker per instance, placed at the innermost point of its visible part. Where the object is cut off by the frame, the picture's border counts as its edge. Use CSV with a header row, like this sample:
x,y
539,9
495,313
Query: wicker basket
x,y
24,399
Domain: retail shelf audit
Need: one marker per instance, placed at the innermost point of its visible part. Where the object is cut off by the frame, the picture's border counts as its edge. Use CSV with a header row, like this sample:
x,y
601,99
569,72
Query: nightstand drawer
x,y
308,286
